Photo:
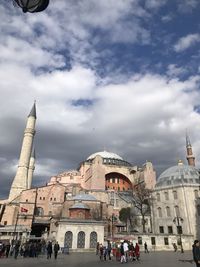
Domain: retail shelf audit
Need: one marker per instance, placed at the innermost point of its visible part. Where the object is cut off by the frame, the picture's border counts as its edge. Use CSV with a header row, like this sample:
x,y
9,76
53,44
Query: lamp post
x,y
15,229
32,6
178,220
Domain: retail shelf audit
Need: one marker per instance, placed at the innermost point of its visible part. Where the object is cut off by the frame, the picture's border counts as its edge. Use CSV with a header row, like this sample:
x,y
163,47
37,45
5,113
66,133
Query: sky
x,y
114,75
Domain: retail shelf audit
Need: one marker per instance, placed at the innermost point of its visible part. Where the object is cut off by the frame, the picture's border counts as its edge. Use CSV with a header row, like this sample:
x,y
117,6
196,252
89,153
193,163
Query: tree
x,y
141,197
125,215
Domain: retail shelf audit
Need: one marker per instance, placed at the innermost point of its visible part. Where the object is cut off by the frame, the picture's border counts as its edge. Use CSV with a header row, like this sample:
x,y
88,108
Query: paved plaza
x,y
153,259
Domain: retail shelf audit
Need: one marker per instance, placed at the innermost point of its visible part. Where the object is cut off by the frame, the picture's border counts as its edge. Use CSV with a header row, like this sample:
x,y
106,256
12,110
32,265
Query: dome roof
x,y
80,206
85,197
178,175
105,154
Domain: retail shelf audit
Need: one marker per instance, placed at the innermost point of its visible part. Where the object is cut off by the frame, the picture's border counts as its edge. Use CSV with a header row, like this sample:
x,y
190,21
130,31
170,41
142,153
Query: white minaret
x,y
20,181
31,169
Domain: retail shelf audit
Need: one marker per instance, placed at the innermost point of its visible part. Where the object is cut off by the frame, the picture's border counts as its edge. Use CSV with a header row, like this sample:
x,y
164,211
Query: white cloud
x,y
154,4
186,6
174,71
167,18
186,42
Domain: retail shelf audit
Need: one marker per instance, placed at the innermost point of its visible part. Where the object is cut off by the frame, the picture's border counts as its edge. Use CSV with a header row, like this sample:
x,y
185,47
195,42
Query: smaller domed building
x,y
175,208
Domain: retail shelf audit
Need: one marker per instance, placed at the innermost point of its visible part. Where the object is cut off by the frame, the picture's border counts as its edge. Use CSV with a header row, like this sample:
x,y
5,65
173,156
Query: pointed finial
x,y
33,111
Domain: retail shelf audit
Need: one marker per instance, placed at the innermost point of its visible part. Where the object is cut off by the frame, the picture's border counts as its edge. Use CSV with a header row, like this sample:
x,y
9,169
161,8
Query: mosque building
x,y
80,207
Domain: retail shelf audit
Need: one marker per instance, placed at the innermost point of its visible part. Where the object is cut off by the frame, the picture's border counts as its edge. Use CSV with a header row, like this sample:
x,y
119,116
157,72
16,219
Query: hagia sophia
x,y
79,208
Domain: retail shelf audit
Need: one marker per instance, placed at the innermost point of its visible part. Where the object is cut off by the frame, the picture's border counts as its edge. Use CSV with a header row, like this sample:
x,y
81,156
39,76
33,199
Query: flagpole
x,y
15,228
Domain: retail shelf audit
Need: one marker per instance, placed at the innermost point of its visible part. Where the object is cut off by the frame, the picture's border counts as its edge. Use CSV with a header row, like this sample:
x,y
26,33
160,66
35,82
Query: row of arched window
x,y
166,195
80,239
168,211
175,195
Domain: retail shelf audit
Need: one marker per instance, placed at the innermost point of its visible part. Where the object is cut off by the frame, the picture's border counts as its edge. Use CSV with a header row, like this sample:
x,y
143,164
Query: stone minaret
x,y
20,181
190,157
31,168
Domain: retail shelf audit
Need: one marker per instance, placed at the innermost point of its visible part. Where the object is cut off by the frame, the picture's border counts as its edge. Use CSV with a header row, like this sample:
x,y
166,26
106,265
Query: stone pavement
x,y
153,259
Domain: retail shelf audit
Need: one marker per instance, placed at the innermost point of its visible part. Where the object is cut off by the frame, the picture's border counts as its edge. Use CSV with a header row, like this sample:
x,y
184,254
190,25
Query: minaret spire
x,y
20,181
33,111
190,157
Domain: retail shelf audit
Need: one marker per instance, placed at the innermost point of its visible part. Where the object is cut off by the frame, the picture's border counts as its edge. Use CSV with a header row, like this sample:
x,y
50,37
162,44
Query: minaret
x,y
20,181
31,168
190,157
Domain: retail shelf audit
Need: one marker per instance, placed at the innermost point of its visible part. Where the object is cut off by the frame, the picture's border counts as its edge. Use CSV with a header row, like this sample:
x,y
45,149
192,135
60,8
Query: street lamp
x,y
32,6
177,220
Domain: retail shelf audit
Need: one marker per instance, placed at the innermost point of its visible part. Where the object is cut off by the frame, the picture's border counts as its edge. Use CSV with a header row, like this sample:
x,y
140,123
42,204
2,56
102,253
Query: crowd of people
x,y
29,249
123,252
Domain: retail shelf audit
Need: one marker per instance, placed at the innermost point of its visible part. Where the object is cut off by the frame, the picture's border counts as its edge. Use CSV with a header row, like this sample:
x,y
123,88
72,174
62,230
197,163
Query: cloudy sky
x,y
115,75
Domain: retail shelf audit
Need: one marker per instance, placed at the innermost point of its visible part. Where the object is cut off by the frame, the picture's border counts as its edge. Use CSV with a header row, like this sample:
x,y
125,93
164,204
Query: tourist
x,y
56,249
137,252
131,252
175,247
123,257
7,250
146,248
97,248
109,249
196,252
101,252
126,250
49,250
16,249
105,252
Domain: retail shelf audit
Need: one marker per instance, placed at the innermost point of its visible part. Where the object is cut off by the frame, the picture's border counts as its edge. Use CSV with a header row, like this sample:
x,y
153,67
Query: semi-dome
x,y
178,175
105,154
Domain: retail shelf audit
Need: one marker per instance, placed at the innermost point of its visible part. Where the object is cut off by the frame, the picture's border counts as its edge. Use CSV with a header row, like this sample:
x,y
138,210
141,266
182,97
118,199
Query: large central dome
x,y
105,155
178,175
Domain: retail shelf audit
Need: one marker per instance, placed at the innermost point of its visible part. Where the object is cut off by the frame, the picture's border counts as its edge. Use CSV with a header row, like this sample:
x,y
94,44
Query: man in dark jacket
x,y
49,250
56,249
196,252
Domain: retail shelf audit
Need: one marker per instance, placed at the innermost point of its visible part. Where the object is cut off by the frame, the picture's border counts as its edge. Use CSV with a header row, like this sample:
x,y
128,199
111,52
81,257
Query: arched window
x,y
168,211
158,196
68,239
175,195
159,212
196,195
93,240
177,211
166,196
198,210
81,240
39,211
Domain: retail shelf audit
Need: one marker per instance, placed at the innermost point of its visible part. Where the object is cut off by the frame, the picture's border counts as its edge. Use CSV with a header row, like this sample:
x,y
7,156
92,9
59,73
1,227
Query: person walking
x,y
175,247
146,248
97,248
49,250
101,252
7,250
109,248
196,252
137,252
16,249
126,250
56,249
123,258
105,252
